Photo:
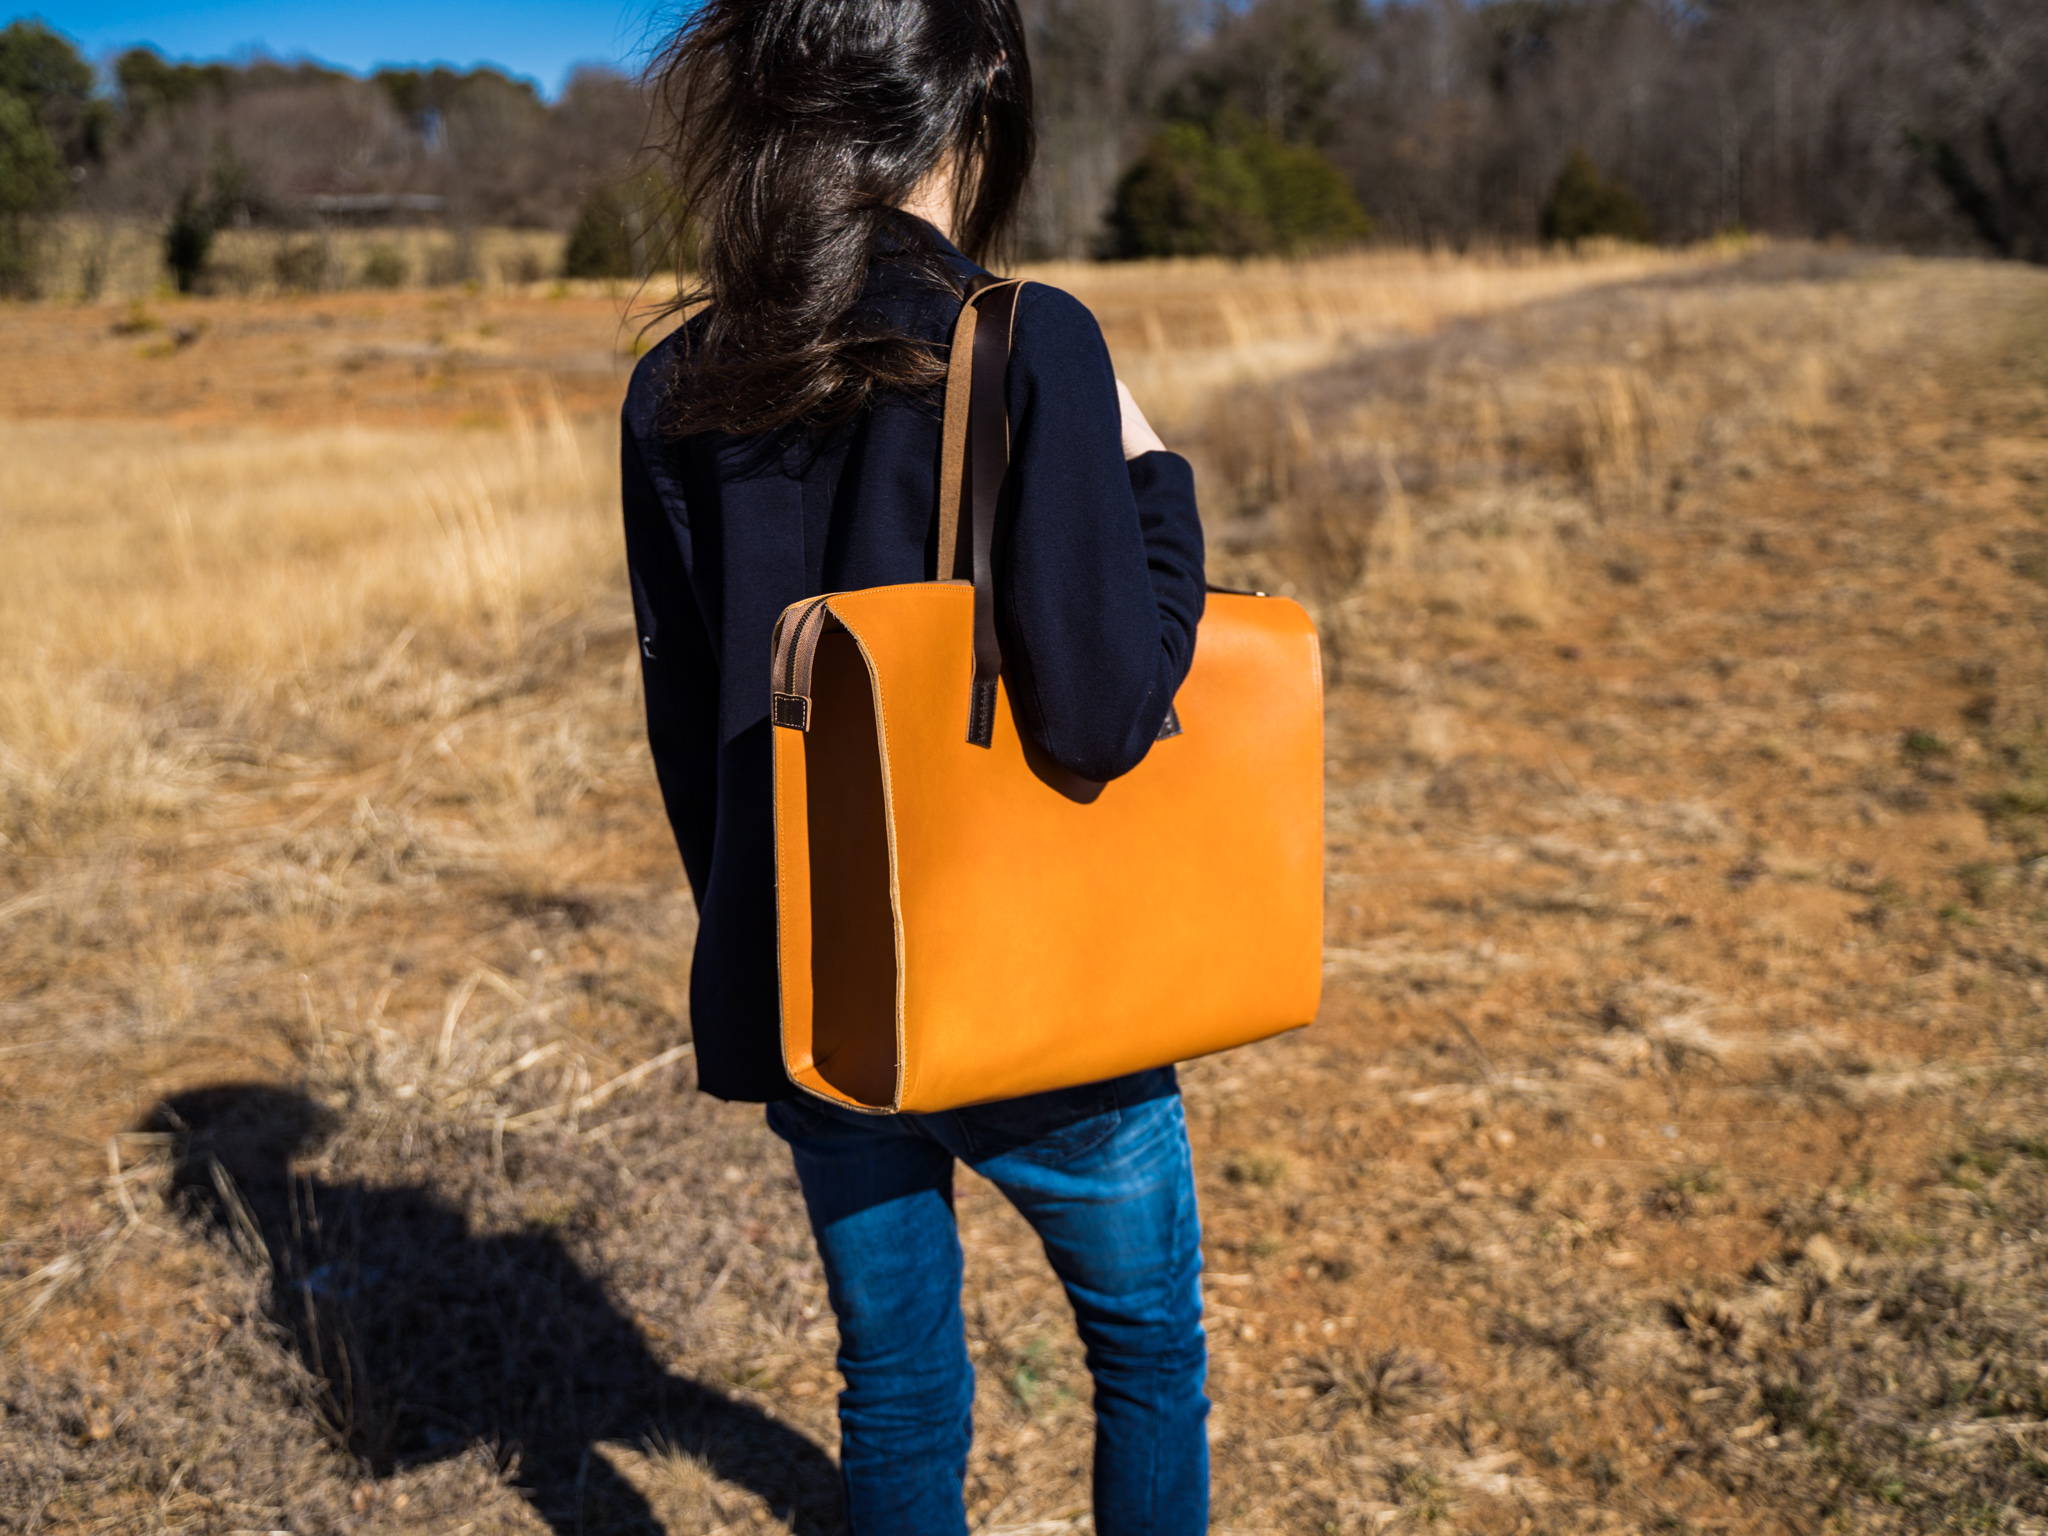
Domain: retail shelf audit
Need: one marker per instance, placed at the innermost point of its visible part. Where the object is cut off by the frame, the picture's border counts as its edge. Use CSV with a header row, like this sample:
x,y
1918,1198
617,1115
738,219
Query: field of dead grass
x,y
91,258
1672,1154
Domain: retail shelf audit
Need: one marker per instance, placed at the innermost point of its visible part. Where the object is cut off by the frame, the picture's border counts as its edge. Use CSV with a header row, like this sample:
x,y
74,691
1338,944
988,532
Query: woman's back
x,y
786,444
1098,571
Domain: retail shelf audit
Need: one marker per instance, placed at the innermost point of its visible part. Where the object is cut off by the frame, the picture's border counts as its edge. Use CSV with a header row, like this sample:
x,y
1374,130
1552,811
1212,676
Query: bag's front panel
x,y
1052,935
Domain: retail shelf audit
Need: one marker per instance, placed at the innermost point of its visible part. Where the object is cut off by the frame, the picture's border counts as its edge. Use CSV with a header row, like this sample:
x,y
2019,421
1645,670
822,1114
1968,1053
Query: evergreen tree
x,y
31,185
41,68
1185,196
1585,205
601,241
1231,190
1306,200
188,240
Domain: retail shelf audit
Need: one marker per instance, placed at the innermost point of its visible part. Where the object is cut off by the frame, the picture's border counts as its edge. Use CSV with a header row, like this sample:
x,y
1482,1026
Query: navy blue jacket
x,y
1098,578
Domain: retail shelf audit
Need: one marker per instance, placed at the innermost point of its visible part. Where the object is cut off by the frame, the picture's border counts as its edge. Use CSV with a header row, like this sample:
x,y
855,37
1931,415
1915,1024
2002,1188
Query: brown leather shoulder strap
x,y
974,462
974,456
988,463
953,484
953,438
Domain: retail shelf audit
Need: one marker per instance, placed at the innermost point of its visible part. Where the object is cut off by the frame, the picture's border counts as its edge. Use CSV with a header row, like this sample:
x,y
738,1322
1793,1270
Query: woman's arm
x,y
678,671
1100,577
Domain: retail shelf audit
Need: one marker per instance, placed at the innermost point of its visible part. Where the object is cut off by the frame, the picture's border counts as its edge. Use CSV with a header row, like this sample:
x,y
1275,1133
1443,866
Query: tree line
x,y
1169,127
1911,123
197,148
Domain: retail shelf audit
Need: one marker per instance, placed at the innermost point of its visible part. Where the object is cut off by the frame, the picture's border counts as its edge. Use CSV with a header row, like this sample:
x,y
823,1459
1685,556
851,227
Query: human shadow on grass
x,y
423,1338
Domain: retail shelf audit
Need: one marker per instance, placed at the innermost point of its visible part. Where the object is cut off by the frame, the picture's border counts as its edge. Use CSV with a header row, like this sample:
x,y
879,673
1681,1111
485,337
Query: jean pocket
x,y
1055,1126
805,1117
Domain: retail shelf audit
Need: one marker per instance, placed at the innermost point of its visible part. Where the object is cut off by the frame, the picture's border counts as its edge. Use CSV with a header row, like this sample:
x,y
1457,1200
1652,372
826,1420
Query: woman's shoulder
x,y
1055,327
654,374
1053,305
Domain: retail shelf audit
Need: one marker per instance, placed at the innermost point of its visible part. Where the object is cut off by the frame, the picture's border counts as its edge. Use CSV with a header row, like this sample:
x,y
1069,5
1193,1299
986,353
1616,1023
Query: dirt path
x,y
1688,987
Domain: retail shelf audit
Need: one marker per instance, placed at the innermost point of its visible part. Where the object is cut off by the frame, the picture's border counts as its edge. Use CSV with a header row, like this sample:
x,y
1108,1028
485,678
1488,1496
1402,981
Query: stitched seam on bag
x,y
781,926
981,724
903,1075
1315,642
837,1103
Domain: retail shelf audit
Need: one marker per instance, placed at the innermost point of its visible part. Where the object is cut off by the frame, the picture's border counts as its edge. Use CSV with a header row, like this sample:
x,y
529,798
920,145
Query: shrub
x,y
601,241
1308,202
31,185
188,240
302,266
1185,196
455,263
384,267
1585,205
522,267
1231,190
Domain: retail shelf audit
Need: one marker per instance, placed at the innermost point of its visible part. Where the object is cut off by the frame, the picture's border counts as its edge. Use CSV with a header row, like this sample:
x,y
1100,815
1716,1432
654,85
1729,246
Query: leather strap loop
x,y
795,650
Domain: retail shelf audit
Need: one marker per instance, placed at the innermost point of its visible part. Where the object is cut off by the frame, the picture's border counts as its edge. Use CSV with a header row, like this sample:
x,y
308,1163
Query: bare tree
x,y
1099,67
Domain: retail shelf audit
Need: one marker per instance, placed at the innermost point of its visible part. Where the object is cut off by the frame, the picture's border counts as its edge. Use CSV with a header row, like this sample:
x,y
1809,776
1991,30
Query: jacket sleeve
x,y
1099,581
678,670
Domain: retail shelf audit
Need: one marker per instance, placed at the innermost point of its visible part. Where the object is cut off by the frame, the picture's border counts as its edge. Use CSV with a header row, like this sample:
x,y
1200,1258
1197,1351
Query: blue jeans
x,y
1102,1173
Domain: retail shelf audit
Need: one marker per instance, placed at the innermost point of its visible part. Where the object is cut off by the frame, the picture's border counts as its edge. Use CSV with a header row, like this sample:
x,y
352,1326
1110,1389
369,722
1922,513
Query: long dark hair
x,y
792,130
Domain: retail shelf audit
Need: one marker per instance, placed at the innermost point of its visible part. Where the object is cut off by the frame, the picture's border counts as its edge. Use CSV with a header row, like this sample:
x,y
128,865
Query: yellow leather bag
x,y
960,920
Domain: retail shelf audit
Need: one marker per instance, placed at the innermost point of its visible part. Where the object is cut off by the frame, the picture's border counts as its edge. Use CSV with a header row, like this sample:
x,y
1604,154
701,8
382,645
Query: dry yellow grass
x,y
1185,329
252,559
248,555
93,259
1668,1157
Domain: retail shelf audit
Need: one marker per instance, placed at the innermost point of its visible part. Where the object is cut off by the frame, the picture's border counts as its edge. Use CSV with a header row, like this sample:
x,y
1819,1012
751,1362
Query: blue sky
x,y
541,39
